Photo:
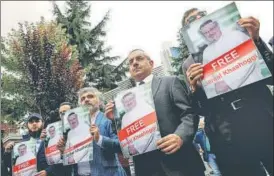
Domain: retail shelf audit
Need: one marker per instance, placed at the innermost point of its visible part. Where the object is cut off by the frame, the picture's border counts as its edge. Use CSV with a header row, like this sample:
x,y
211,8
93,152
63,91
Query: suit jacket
x,y
174,115
105,160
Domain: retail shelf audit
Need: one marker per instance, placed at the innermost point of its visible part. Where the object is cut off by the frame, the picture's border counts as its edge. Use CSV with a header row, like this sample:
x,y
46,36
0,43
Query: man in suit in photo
x,y
177,123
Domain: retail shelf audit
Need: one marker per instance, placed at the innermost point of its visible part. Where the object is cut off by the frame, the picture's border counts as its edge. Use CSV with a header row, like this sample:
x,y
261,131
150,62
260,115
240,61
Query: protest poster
x,y
24,159
229,56
78,147
136,121
54,133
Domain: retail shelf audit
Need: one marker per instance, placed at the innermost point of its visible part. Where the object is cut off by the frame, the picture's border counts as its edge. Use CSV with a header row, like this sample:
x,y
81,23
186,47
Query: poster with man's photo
x,y
78,147
229,56
24,159
54,133
136,121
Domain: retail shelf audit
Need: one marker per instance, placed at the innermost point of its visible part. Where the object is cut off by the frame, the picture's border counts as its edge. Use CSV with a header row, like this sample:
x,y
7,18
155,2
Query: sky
x,y
137,24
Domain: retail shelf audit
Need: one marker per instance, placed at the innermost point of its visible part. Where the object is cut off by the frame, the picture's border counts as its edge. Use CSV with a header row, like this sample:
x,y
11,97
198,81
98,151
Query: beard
x,y
92,108
35,134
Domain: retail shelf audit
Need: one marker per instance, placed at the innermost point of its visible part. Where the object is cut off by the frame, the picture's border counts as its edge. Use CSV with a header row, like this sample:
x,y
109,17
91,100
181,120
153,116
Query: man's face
x,y
52,132
73,121
90,99
129,102
22,150
139,66
211,31
193,16
35,124
63,109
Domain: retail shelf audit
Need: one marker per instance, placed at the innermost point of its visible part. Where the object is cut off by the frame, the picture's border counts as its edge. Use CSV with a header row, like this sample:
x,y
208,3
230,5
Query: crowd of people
x,y
236,138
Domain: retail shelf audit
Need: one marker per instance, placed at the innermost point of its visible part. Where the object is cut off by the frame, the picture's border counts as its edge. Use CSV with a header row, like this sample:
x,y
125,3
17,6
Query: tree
x,y
44,69
92,52
183,54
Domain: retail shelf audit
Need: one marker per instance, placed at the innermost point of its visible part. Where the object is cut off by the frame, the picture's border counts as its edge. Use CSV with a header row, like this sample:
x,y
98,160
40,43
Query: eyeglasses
x,y
194,17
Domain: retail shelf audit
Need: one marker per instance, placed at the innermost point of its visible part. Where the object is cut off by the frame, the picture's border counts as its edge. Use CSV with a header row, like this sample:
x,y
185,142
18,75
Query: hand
x,y
43,134
41,173
194,73
170,143
94,131
61,144
252,25
9,147
109,110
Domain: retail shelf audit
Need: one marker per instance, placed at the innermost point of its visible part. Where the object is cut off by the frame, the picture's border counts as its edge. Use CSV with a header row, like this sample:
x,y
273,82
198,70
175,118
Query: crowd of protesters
x,y
233,141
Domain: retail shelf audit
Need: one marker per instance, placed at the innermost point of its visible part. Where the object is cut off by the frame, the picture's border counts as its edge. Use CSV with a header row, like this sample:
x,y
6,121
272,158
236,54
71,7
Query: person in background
x,y
202,145
5,161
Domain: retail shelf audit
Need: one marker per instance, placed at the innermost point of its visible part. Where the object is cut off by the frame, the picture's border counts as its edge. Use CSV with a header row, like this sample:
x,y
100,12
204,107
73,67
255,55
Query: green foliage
x,y
44,70
183,55
90,46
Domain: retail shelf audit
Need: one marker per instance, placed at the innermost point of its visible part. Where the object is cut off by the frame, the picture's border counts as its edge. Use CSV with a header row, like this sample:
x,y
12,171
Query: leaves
x,y
48,68
93,55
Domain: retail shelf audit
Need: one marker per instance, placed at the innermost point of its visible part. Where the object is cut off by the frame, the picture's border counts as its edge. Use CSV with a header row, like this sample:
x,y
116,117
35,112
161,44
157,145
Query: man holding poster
x,y
240,122
176,154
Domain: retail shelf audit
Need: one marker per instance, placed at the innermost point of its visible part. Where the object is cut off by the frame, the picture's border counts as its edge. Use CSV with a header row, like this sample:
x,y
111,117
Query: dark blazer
x,y
174,115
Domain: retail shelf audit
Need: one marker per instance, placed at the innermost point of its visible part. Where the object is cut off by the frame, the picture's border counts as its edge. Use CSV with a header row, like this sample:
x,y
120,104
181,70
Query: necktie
x,y
142,82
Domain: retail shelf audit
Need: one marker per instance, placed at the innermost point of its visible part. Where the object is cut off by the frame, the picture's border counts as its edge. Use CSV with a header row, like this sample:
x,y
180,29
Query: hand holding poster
x,y
230,57
24,159
78,147
136,121
54,133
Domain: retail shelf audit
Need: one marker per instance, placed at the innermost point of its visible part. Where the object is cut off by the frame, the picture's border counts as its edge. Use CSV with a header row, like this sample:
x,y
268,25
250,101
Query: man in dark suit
x,y
240,121
177,123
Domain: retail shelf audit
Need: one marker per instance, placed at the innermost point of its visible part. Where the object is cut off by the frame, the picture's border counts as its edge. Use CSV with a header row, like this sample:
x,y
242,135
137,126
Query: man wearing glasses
x,y
239,123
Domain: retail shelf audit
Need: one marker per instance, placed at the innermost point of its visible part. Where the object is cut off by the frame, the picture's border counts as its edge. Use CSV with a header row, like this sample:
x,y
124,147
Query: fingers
x,y
194,70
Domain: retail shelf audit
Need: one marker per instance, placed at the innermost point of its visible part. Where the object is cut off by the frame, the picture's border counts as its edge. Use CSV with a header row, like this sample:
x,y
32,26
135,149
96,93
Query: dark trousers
x,y
243,139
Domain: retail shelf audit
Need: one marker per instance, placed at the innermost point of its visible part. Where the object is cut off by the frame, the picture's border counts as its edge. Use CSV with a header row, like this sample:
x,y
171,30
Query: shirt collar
x,y
93,118
146,80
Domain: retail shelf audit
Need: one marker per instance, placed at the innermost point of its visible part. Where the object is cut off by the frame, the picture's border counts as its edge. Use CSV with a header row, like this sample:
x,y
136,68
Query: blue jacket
x,y
201,138
105,160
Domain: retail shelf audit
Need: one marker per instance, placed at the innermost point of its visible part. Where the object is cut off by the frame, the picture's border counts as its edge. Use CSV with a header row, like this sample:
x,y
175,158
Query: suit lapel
x,y
155,85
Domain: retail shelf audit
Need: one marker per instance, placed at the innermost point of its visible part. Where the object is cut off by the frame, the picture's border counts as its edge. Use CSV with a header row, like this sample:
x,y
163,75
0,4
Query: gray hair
x,y
92,90
145,54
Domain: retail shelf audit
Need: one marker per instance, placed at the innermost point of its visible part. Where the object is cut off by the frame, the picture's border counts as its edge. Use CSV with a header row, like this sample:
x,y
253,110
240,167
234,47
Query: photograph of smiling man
x,y
138,130
78,146
231,59
24,159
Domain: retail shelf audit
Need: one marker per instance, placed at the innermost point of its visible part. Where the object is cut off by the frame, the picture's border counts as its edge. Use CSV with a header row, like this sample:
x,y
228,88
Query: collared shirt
x,y
146,80
92,121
